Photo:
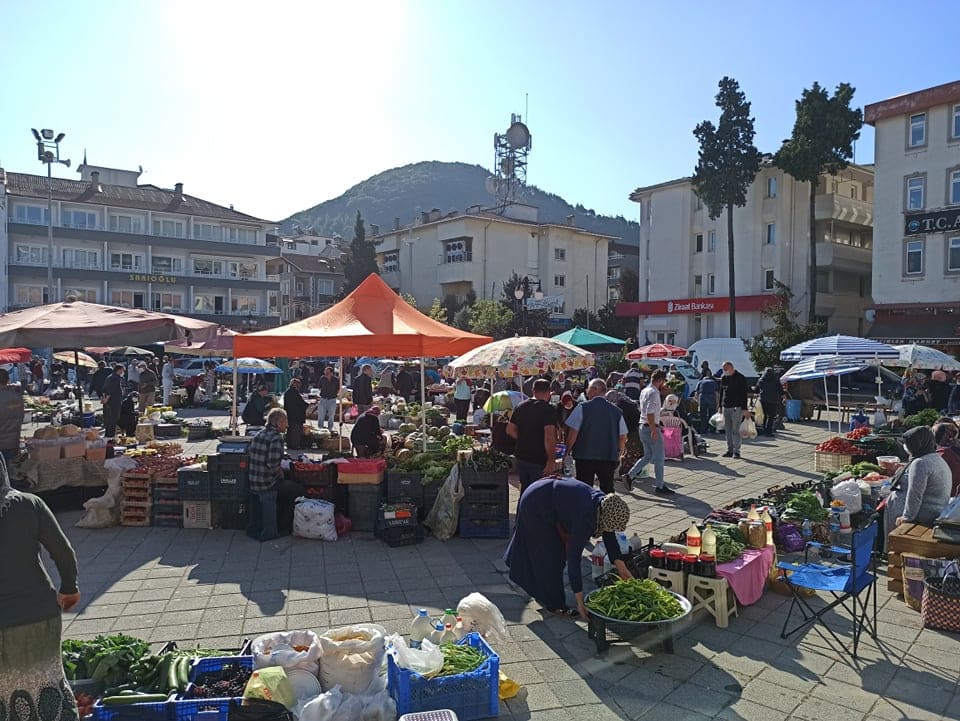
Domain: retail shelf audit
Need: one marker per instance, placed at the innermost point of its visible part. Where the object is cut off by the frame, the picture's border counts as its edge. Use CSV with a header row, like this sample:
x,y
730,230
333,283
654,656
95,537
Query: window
x,y
127,224
167,301
87,295
300,288
915,193
823,281
768,282
918,130
698,243
31,295
955,123
244,304
241,235
166,265
560,307
75,258
953,255
207,266
698,202
32,214
954,187
168,228
31,254
325,287
771,233
273,301
285,287
127,298
458,251
711,241
559,281
391,262
78,219
772,187
613,273
126,261
208,303
559,253
853,192
697,284
242,270
668,337
206,231
913,252
711,284
613,293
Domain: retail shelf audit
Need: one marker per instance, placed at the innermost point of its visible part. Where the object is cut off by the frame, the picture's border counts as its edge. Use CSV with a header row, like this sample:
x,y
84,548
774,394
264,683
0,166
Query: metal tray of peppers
x,y
652,608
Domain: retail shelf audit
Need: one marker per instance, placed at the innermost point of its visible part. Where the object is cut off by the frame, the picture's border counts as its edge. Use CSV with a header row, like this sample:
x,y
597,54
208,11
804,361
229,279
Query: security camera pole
x,y
48,151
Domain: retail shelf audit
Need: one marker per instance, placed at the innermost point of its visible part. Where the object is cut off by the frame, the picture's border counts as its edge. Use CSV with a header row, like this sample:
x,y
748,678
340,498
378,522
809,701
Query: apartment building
x,y
683,255
309,283
478,250
916,256
117,242
620,256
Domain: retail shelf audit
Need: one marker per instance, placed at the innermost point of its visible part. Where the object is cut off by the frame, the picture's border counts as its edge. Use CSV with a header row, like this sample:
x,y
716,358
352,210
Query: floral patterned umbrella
x,y
656,350
522,356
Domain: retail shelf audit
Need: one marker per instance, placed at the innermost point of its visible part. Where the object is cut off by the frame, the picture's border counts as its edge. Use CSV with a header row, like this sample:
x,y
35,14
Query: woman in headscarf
x,y
922,488
945,433
938,391
32,683
768,387
556,518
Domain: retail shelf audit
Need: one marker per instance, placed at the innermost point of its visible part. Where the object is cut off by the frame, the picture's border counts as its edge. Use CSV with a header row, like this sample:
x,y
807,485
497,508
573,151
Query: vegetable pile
x,y
926,417
488,461
105,658
730,543
635,600
460,659
805,505
229,682
838,445
857,433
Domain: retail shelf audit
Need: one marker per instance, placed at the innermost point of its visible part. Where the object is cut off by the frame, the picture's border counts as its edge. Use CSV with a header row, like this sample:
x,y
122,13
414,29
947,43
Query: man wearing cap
x,y
296,409
147,388
254,413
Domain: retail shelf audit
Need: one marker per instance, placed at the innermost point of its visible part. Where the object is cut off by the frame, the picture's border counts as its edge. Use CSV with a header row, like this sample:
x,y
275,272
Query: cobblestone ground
x,y
216,587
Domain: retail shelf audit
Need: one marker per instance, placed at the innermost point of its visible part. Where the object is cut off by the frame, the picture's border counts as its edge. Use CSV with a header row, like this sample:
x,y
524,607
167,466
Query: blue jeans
x,y
263,516
652,453
528,473
327,409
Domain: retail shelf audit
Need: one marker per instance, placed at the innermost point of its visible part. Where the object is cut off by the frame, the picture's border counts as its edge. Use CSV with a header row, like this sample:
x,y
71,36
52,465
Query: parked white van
x,y
716,351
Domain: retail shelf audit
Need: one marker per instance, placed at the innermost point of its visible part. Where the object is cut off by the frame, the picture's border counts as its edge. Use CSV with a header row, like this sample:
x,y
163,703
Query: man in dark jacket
x,y
768,387
363,389
296,409
99,378
255,412
734,388
367,437
113,391
596,437
404,383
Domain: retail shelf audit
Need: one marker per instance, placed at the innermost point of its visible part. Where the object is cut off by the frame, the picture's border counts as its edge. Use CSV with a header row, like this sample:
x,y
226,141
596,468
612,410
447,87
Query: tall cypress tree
x,y
363,258
727,165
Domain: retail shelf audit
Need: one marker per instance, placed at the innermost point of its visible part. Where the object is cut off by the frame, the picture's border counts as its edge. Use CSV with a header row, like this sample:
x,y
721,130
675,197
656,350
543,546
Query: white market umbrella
x,y
924,357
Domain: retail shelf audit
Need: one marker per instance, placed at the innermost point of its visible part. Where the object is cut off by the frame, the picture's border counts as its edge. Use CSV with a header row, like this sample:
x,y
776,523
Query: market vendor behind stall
x,y
922,488
367,438
272,496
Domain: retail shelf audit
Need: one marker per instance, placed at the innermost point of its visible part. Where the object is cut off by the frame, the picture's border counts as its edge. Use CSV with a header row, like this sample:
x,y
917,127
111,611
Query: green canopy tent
x,y
590,340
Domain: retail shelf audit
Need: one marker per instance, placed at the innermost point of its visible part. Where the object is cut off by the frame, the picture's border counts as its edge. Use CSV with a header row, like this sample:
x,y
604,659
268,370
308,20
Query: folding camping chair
x,y
851,585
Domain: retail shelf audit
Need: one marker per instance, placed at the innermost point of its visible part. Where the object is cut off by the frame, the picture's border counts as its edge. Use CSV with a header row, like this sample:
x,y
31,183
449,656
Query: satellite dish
x,y
518,136
507,166
492,185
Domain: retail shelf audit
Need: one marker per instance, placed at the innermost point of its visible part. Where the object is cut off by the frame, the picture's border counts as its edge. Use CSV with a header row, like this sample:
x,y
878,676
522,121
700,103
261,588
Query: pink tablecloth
x,y
747,575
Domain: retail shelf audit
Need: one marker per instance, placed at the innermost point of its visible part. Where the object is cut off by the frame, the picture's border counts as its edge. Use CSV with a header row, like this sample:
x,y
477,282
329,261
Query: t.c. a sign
x,y
940,222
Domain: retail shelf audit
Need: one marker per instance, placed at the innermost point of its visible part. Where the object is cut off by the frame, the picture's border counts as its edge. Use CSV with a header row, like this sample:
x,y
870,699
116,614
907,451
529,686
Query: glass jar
x,y
674,561
690,564
658,558
708,566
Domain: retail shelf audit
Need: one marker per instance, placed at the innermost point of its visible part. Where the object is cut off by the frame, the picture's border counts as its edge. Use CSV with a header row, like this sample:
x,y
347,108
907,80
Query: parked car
x,y
689,373
855,388
193,367
717,351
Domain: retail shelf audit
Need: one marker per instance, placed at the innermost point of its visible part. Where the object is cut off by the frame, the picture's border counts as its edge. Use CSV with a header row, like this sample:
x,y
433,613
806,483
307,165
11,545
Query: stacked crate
x,y
193,484
366,490
320,482
397,524
485,506
229,482
135,502
167,508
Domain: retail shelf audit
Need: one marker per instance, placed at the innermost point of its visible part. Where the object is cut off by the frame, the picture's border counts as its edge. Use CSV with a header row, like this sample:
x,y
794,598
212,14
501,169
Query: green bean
x,y
635,600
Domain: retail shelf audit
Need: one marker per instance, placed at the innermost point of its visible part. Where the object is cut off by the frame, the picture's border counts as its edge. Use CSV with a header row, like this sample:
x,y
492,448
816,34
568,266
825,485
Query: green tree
x,y
409,298
727,165
491,317
629,285
765,348
585,319
461,319
610,323
363,258
438,311
822,142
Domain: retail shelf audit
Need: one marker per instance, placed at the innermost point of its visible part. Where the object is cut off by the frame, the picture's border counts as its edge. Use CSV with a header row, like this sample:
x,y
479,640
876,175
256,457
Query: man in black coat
x,y
112,397
734,389
296,409
363,388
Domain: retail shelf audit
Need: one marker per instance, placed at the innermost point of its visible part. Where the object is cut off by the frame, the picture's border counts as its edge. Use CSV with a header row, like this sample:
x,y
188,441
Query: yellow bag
x,y
508,687
758,416
271,684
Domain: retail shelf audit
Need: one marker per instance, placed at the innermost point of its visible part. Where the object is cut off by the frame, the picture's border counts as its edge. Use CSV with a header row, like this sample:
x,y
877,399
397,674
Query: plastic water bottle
x,y
806,530
885,487
421,628
708,541
448,636
568,466
636,543
460,630
768,525
436,634
449,617
597,559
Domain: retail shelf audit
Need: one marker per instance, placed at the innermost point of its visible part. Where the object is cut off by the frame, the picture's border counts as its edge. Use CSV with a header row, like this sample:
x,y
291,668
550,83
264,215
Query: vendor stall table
x,y
913,538
747,575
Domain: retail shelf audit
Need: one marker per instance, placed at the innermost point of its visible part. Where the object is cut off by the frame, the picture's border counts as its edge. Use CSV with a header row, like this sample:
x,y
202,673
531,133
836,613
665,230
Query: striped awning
x,y
840,345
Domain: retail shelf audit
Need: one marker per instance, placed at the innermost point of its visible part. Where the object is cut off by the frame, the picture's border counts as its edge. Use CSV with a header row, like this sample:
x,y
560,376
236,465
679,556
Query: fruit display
x,y
838,445
857,433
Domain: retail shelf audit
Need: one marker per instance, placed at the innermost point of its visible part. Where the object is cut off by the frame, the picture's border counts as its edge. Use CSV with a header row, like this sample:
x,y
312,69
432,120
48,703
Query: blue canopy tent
x,y
824,367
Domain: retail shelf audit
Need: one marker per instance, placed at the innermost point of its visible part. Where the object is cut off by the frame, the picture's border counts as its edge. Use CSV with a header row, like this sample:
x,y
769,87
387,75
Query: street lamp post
x,y
522,292
48,151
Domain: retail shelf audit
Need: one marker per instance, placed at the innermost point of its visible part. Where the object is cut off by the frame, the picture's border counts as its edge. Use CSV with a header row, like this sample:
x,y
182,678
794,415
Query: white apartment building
x,y
479,250
683,256
916,262
117,242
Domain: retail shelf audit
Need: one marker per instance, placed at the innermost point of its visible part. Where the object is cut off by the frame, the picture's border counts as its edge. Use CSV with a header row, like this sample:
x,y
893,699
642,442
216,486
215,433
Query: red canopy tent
x,y
15,355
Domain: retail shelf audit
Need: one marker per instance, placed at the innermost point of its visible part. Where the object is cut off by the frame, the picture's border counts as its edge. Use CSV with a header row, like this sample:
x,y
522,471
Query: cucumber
x,y
134,698
184,675
171,679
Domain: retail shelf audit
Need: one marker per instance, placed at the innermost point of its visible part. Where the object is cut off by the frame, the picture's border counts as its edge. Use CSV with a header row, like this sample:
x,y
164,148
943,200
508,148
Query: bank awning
x,y
934,330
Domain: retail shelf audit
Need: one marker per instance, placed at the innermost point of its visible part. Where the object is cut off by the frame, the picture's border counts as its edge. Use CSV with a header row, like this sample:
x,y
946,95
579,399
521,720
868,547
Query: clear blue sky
x,y
277,108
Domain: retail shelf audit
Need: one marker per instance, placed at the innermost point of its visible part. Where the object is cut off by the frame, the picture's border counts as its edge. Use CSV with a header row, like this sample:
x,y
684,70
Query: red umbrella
x,y
656,350
15,355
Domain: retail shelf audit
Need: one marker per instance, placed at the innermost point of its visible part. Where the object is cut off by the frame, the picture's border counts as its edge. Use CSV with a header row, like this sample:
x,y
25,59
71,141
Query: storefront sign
x,y
939,222
140,278
678,306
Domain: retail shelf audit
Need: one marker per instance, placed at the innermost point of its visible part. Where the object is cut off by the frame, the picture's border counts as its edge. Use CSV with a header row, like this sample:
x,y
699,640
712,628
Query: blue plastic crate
x,y
215,664
158,711
484,528
471,695
206,709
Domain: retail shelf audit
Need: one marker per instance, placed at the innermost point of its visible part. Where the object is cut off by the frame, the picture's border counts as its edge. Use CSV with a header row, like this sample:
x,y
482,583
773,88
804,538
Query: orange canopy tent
x,y
372,320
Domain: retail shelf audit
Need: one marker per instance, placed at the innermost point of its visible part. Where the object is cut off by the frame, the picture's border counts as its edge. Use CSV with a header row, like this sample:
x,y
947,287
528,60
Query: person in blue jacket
x,y
556,519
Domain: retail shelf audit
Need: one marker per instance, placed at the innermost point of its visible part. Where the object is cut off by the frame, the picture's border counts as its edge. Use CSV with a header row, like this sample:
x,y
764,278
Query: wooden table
x,y
913,538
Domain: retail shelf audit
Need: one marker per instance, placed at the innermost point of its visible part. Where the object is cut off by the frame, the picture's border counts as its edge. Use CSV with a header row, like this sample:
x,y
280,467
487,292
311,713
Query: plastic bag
x,y
508,688
323,707
379,707
351,657
481,614
716,420
879,418
104,511
313,518
280,649
426,660
849,492
445,514
758,415
748,429
344,525
271,684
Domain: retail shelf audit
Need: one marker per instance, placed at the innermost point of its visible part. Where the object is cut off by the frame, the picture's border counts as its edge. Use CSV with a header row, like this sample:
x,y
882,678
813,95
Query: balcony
x,y
844,209
839,256
458,272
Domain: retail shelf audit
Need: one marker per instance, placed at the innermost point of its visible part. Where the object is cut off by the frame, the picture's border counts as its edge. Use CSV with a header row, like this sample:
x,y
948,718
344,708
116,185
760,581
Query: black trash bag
x,y
255,709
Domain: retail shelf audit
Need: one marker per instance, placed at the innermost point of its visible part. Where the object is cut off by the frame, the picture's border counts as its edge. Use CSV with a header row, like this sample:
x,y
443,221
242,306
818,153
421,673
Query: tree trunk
x,y
812,314
730,273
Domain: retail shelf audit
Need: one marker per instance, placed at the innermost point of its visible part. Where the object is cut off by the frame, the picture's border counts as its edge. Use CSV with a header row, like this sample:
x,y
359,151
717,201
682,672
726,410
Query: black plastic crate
x,y
314,474
486,493
405,487
166,520
400,535
231,515
396,515
193,484
484,528
471,477
364,505
229,484
337,495
478,510
162,494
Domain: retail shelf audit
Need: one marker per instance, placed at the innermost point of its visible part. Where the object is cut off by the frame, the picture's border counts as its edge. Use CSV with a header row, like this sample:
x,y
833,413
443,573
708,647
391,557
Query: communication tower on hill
x,y
511,149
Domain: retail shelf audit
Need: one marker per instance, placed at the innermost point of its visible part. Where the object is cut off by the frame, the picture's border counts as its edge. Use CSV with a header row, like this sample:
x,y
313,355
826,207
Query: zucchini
x,y
184,672
171,679
134,698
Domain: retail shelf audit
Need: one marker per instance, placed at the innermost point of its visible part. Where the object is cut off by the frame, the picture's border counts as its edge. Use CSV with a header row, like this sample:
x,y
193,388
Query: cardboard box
x,y
73,447
360,479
